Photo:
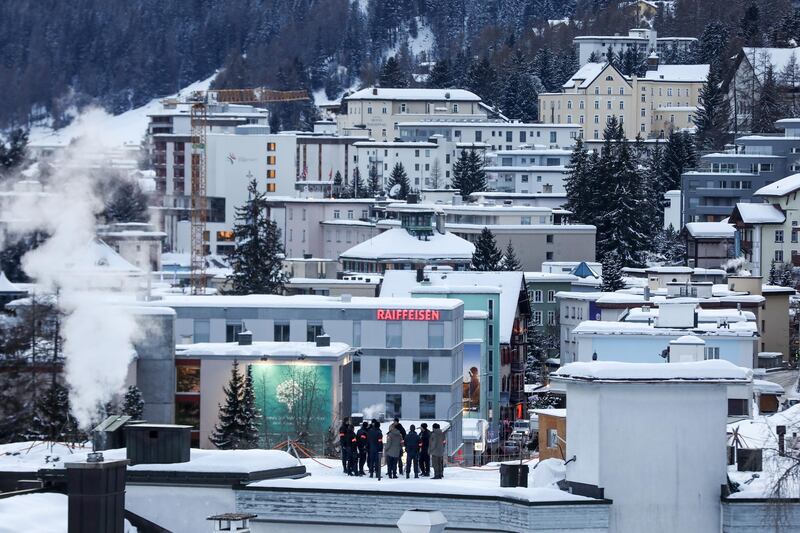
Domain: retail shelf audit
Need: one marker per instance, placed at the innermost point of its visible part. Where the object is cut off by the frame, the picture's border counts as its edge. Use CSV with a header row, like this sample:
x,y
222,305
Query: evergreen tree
x,y
520,94
436,174
510,262
482,80
399,179
14,150
127,203
669,248
713,43
768,108
578,186
679,156
338,185
440,76
357,187
256,259
486,256
612,273
52,420
391,74
373,181
469,175
773,274
133,403
237,428
787,279
712,118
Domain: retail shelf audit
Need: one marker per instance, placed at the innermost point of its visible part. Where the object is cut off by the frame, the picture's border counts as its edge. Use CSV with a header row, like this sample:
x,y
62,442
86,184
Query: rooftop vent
x,y
245,338
323,340
157,443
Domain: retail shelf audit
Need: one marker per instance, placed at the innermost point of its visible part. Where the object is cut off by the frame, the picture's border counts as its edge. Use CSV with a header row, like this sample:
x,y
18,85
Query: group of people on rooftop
x,y
366,446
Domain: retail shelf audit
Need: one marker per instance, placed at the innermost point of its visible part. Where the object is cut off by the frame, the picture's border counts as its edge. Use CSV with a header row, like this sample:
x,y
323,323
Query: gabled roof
x,y
7,286
590,72
397,243
781,187
584,271
758,214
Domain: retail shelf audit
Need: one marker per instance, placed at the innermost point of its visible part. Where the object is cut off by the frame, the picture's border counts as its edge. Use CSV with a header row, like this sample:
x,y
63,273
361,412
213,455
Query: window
x,y
597,90
737,407
270,147
435,335
622,91
402,108
490,334
548,256
270,159
356,333
394,334
552,438
537,318
551,318
551,296
711,352
778,235
608,104
369,110
779,256
394,406
281,332
596,121
455,108
383,110
622,104
420,372
580,119
201,331
232,332
387,370
549,238
427,406
357,371
187,377
537,296
553,137
669,91
349,214
313,330
524,178
608,90
337,213
187,412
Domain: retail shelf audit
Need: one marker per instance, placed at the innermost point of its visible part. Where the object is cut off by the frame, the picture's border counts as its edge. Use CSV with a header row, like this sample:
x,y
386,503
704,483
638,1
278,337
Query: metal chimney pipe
x,y
96,496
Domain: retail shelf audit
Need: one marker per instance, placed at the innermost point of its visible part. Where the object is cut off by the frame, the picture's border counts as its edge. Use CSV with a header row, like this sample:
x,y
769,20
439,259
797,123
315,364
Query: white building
x,y
528,171
643,40
672,209
496,135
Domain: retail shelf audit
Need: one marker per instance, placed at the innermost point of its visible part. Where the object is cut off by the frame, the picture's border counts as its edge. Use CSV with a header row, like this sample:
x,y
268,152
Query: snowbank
x,y
38,513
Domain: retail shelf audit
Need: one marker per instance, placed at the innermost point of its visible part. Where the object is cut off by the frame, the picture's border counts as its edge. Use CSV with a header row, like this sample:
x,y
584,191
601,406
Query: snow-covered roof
x,y
534,277
99,258
781,187
711,230
611,371
397,243
278,350
688,339
7,286
381,93
760,213
703,329
586,75
303,301
509,284
767,387
681,73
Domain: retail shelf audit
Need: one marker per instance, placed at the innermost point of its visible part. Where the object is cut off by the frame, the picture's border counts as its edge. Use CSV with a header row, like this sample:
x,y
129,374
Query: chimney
x,y
96,495
440,216
652,62
375,91
157,443
420,275
646,293
781,431
323,340
245,338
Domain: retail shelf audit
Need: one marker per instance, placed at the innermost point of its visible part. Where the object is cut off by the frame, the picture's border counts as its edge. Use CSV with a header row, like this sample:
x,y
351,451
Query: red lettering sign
x,y
407,314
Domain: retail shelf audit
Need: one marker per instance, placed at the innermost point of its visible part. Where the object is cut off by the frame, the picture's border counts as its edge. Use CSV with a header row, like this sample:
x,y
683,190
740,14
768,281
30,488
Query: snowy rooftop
x,y
711,230
703,329
404,282
684,73
781,187
305,301
7,286
700,371
397,243
640,314
276,350
760,213
440,123
549,276
586,74
98,258
381,93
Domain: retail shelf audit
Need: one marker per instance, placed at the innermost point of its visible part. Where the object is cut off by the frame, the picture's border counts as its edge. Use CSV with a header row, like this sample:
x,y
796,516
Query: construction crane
x,y
200,100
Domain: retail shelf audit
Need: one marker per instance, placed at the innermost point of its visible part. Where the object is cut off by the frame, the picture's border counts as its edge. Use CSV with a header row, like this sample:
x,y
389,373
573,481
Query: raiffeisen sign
x,y
407,314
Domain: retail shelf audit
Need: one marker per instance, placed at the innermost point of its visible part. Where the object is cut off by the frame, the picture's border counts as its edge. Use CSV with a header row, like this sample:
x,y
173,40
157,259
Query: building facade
x,y
495,135
528,171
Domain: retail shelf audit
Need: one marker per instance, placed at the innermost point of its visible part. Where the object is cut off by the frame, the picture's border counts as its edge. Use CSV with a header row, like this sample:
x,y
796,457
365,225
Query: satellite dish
x,y
395,190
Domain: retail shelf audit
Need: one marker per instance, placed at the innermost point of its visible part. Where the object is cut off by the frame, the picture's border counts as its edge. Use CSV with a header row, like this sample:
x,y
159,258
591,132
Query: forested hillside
x,y
55,55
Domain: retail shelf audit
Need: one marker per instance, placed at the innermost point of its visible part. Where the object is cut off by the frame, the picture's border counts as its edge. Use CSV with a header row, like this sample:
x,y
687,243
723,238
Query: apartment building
x,y
496,135
725,179
528,171
379,111
649,107
642,40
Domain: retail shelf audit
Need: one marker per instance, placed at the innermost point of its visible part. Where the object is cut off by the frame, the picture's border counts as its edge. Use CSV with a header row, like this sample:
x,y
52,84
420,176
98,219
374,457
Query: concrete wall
x,y
760,516
155,367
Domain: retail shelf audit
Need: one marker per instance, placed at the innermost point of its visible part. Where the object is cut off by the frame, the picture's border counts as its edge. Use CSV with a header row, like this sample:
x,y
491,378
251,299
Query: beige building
x,y
772,316
380,110
651,106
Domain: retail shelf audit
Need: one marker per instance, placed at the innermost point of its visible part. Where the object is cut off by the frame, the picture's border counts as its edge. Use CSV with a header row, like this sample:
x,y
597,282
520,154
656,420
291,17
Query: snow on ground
x,y
423,42
31,456
482,481
38,513
126,129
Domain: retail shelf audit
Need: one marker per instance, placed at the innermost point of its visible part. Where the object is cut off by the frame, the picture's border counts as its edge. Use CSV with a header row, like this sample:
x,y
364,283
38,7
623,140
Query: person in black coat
x,y
352,451
413,443
424,457
344,446
402,431
374,449
361,442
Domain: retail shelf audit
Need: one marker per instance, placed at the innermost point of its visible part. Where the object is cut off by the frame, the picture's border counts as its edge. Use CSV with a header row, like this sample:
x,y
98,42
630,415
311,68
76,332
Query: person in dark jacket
x,y
437,451
374,449
343,444
402,431
361,442
394,447
352,450
413,443
424,457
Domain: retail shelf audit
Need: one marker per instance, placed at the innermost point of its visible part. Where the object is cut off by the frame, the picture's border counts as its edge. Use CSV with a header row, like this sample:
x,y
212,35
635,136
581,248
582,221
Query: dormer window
x,y
609,78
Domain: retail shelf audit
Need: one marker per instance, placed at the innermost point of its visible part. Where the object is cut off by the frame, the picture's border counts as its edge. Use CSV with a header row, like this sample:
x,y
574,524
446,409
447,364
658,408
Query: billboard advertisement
x,y
472,379
296,402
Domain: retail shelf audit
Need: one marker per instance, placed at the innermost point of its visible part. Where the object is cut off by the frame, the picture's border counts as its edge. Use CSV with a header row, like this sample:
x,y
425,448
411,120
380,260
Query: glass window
x,y
427,406
551,318
435,335
779,256
552,438
281,332
537,296
537,318
187,412
202,329
394,406
712,352
420,374
357,371
551,296
187,378
356,333
778,235
549,238
232,332
387,367
313,330
394,334
491,334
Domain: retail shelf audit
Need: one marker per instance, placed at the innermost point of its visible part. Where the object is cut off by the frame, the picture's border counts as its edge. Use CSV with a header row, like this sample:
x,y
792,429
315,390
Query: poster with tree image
x,y
296,401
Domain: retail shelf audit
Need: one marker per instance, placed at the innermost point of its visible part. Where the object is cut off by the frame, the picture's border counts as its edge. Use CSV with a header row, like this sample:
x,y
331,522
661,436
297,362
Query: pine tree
x,y
436,174
679,156
338,185
510,262
773,274
391,74
256,259
133,403
14,151
712,118
580,197
469,175
787,279
52,419
128,203
373,181
520,94
612,273
237,426
357,187
399,180
768,108
482,80
440,76
486,256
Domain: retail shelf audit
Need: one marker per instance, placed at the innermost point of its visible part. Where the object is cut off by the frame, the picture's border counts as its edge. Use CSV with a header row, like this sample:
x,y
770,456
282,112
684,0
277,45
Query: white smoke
x,y
97,333
374,411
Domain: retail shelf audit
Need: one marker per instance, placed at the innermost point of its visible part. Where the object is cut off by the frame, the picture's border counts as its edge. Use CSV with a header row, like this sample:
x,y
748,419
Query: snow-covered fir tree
x,y
712,118
520,93
237,426
52,420
768,107
578,184
469,175
133,403
357,188
510,262
338,185
392,75
399,186
612,273
373,180
127,203
486,256
256,258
